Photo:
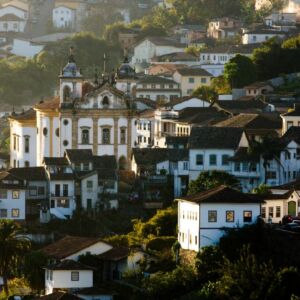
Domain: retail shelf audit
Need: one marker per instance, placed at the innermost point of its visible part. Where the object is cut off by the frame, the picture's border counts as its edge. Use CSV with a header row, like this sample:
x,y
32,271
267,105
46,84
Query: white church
x,y
84,116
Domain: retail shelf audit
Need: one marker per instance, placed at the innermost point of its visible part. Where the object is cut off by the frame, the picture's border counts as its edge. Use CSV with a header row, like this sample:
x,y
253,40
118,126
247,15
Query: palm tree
x,y
268,149
13,246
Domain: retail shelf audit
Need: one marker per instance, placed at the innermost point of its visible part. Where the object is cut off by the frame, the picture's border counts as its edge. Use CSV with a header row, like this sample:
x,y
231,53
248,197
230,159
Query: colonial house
x,y
104,122
68,14
203,217
67,276
13,16
176,58
191,78
261,35
258,89
157,88
157,164
291,118
154,46
211,147
188,33
277,206
12,197
223,28
214,59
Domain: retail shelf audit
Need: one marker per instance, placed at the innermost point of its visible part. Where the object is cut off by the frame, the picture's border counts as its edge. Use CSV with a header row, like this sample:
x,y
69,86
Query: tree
x,y
13,245
221,85
262,189
34,263
268,149
240,71
206,93
208,180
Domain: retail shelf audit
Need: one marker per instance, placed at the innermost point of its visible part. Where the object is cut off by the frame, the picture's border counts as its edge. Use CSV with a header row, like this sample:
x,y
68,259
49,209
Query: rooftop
x,y
59,296
68,246
222,194
215,137
150,156
28,115
156,80
193,72
30,173
69,264
49,104
115,254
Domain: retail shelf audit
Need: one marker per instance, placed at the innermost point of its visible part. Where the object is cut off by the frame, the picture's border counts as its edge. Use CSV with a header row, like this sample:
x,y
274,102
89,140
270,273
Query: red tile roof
x,y
50,104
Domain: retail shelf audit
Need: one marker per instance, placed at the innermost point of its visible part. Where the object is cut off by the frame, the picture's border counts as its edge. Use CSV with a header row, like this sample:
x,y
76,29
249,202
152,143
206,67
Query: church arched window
x,y
85,136
66,93
105,136
105,102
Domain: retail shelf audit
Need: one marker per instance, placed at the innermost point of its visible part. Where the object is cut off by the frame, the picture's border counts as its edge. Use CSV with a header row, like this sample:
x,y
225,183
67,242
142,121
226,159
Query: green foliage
x,y
169,285
161,243
286,55
220,85
34,262
262,189
13,246
206,93
163,223
240,71
119,240
211,179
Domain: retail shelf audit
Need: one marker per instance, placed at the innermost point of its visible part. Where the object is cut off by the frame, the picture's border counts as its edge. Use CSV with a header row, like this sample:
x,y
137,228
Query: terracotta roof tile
x,y
50,104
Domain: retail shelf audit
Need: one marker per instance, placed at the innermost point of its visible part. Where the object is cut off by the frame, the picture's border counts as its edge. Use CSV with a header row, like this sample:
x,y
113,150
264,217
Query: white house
x,y
211,147
214,59
13,16
12,197
290,119
154,46
261,35
64,14
157,88
277,206
67,275
202,217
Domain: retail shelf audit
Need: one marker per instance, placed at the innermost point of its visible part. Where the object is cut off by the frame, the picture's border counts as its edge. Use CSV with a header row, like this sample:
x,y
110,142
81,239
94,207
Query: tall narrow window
x,y
123,135
105,102
26,144
65,190
105,136
85,136
66,93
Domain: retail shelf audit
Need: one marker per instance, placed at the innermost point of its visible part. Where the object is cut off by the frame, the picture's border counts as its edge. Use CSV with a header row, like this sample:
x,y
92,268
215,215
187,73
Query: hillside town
x,y
149,149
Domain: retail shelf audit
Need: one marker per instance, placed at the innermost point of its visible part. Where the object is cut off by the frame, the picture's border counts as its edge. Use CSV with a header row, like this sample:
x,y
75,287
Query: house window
x,y
65,190
89,204
57,190
57,132
271,212
74,276
41,190
196,240
213,159
199,159
203,80
289,124
85,136
247,216
185,166
237,167
123,135
89,184
45,131
271,175
191,80
229,216
86,166
225,161
15,194
26,164
64,203
3,194
105,136
263,212
32,191
26,144
15,213
3,213
212,216
278,211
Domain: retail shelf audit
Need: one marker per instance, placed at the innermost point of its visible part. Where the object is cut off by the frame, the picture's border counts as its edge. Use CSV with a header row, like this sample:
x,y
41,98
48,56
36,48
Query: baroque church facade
x,y
94,116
